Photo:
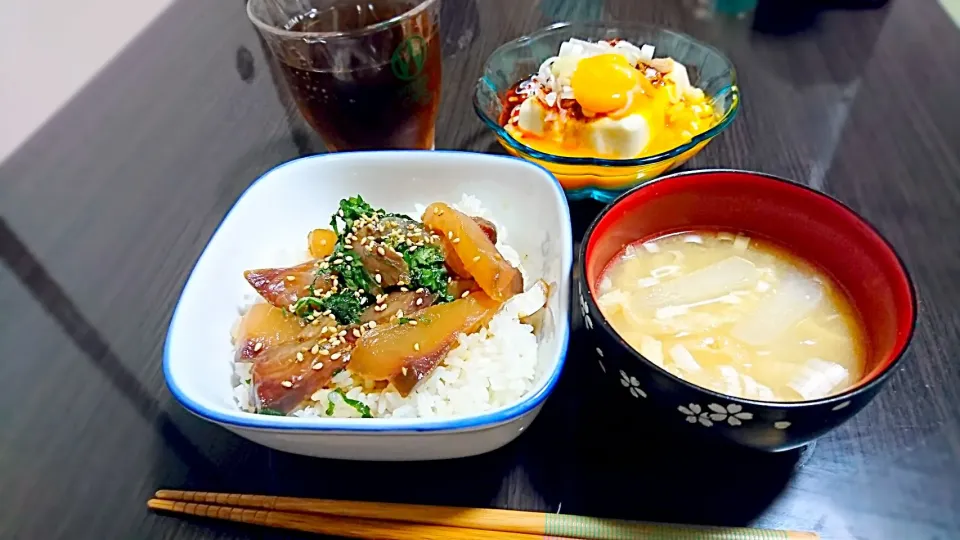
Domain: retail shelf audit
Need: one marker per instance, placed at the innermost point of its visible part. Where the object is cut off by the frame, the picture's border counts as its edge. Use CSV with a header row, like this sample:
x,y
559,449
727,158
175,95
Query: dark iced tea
x,y
364,75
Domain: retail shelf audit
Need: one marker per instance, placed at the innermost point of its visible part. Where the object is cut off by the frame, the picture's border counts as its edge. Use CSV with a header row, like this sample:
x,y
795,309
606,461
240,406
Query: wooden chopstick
x,y
334,525
392,520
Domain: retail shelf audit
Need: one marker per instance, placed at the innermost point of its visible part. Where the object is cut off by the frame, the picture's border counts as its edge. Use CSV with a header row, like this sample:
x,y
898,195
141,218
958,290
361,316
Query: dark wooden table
x,y
104,212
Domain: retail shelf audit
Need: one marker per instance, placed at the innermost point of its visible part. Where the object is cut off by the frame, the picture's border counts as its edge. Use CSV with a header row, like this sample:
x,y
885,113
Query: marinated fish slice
x,y
453,261
284,286
263,326
385,266
476,252
287,374
406,302
407,350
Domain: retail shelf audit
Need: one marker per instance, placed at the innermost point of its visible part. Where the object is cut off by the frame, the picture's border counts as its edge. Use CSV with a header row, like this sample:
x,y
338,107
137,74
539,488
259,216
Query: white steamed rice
x,y
487,370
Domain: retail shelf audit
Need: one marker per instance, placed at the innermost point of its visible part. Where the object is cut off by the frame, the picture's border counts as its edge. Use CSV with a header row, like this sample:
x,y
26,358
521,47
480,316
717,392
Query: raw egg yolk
x,y
602,83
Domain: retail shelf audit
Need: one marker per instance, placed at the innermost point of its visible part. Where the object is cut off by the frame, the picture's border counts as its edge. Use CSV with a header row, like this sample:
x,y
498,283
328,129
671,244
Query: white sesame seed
x,y
291,278
372,324
404,289
399,313
450,235
324,352
338,261
257,347
411,249
412,322
286,384
356,332
419,301
342,333
381,251
318,366
299,357
315,349
456,240
477,258
465,294
404,370
379,278
416,346
349,258
335,356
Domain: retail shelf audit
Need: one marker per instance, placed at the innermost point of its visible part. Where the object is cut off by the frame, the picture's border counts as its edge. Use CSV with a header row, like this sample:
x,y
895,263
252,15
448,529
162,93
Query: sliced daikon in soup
x,y
709,282
795,299
736,314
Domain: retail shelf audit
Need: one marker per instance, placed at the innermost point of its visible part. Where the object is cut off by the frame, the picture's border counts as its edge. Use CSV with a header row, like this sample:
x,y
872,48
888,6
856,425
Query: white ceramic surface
x,y
277,211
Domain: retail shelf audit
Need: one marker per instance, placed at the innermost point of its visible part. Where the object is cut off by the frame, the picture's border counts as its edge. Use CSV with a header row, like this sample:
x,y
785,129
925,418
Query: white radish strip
x,y
741,242
670,312
614,299
718,279
665,271
652,350
731,380
683,359
794,300
749,386
818,378
645,282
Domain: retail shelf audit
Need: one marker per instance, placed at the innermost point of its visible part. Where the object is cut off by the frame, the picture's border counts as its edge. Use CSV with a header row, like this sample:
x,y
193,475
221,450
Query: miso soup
x,y
735,314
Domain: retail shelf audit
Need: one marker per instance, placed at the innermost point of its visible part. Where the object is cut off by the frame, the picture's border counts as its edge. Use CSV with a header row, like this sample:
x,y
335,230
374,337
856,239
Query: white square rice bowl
x,y
198,356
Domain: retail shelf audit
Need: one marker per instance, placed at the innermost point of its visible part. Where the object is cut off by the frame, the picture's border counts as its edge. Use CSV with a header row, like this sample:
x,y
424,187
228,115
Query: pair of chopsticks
x,y
388,521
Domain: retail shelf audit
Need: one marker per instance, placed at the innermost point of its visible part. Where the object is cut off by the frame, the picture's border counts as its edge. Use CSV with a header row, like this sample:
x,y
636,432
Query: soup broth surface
x,y
735,314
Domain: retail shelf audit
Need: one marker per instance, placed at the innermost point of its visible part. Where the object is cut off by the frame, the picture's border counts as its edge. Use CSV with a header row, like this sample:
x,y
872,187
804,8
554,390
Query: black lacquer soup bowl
x,y
815,227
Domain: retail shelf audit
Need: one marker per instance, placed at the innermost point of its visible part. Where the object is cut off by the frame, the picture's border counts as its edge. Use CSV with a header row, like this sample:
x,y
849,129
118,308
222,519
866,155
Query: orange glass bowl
x,y
596,178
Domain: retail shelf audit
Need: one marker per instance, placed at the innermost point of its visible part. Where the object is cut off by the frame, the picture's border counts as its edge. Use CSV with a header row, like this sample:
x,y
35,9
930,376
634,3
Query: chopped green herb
x,y
270,412
344,305
303,306
247,381
352,273
330,406
351,209
428,270
361,407
404,320
424,319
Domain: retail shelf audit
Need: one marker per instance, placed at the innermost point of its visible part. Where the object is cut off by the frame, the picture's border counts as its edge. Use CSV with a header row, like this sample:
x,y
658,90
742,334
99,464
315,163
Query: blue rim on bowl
x,y
493,124
241,419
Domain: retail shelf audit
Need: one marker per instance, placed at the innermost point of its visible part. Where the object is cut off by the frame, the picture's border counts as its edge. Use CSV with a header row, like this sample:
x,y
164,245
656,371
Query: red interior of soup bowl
x,y
811,224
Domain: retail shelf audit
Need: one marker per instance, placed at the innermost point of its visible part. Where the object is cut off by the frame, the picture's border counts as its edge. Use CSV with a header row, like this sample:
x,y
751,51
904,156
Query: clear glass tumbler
x,y
365,74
